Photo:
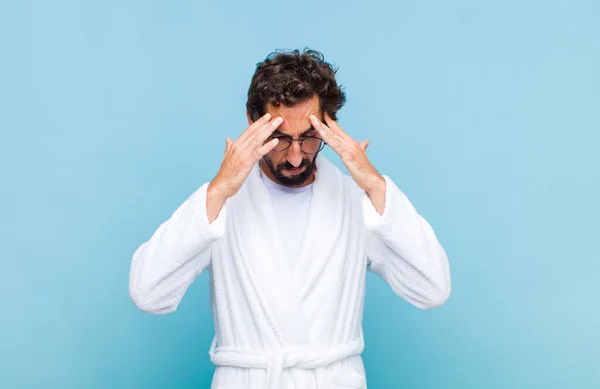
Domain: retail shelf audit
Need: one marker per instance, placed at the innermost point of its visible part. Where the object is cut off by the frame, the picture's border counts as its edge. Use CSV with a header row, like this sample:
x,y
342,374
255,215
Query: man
x,y
288,239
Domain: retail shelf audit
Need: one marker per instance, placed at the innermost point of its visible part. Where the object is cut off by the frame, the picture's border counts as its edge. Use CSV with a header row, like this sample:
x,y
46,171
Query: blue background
x,y
487,114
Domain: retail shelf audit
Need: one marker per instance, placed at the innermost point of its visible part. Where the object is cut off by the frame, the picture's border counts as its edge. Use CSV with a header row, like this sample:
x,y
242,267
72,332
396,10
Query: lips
x,y
295,170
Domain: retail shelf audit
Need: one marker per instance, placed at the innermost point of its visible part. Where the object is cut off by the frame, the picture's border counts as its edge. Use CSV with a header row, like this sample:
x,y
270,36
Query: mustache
x,y
288,166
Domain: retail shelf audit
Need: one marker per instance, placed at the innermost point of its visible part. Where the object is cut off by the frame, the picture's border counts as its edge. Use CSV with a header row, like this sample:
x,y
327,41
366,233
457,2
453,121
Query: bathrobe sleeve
x,y
163,267
404,251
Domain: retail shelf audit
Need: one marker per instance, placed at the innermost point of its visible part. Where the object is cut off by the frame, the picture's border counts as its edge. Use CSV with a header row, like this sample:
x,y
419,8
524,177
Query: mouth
x,y
295,170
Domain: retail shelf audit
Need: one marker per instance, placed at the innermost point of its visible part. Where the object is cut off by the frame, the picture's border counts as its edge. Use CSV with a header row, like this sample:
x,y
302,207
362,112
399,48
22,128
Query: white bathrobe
x,y
278,327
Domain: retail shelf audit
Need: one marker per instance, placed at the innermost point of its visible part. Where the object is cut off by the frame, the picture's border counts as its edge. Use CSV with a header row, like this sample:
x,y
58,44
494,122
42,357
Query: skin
x,y
252,146
295,122
354,157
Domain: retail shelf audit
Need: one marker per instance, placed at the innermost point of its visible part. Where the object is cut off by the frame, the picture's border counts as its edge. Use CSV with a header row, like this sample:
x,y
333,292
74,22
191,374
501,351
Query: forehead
x,y
296,117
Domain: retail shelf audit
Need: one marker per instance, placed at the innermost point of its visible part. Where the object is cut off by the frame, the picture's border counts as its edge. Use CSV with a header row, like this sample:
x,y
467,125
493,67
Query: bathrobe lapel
x,y
259,245
259,241
325,222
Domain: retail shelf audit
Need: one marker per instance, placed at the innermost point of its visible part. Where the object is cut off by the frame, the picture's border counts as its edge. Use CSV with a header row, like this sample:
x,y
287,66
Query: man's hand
x,y
354,157
238,161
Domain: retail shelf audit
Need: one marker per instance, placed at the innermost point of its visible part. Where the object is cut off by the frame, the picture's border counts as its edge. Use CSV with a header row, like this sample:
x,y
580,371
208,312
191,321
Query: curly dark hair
x,y
290,77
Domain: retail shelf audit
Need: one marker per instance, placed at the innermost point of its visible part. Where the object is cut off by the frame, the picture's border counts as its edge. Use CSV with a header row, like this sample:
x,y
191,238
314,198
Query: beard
x,y
296,179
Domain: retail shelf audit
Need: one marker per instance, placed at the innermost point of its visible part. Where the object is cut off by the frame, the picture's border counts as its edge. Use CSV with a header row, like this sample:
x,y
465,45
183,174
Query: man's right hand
x,y
240,157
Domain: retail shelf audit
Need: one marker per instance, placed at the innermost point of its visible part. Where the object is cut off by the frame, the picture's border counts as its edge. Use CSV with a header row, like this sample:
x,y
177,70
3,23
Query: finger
x,y
332,123
267,147
228,143
364,144
257,137
330,130
267,130
326,134
347,143
336,129
321,128
254,127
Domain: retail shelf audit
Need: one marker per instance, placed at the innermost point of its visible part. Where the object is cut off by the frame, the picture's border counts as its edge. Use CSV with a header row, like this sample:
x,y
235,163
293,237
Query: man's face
x,y
293,167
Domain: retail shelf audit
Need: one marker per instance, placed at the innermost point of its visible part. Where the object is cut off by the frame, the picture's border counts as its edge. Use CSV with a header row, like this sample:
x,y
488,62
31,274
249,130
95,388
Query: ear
x,y
249,118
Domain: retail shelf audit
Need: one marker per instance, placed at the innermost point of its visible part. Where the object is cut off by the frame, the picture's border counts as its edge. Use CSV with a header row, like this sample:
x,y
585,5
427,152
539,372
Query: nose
x,y
294,154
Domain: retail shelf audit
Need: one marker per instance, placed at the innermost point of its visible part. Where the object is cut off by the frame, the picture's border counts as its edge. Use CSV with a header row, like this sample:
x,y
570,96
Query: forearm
x,y
405,251
376,193
215,201
163,267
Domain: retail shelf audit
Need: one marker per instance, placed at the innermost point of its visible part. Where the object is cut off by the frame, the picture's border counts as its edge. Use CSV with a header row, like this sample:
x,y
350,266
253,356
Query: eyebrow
x,y
310,129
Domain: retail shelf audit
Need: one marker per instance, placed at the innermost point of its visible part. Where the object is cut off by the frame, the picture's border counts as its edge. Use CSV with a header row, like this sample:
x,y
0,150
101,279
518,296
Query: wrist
x,y
215,193
377,194
377,186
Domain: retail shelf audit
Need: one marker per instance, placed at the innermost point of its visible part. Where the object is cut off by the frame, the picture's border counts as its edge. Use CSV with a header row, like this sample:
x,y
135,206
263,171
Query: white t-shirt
x,y
291,207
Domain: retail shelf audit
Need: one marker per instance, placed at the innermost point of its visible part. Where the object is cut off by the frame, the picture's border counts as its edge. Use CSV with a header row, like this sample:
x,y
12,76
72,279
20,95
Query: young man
x,y
287,239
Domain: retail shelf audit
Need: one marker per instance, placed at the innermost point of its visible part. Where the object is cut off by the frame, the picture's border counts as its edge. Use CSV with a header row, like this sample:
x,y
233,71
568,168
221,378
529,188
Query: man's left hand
x,y
354,157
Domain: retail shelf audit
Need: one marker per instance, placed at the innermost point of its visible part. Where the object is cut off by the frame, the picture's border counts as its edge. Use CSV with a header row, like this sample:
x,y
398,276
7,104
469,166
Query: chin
x,y
292,181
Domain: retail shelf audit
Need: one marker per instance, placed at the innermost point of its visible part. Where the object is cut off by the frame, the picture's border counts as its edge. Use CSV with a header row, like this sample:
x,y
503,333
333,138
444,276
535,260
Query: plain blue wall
x,y
487,114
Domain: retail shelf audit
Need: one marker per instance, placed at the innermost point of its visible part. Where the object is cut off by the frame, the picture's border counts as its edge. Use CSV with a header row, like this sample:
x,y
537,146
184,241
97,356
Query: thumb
x,y
228,143
364,144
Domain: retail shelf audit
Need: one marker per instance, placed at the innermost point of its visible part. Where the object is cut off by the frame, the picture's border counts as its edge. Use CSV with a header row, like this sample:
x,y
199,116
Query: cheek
x,y
275,157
